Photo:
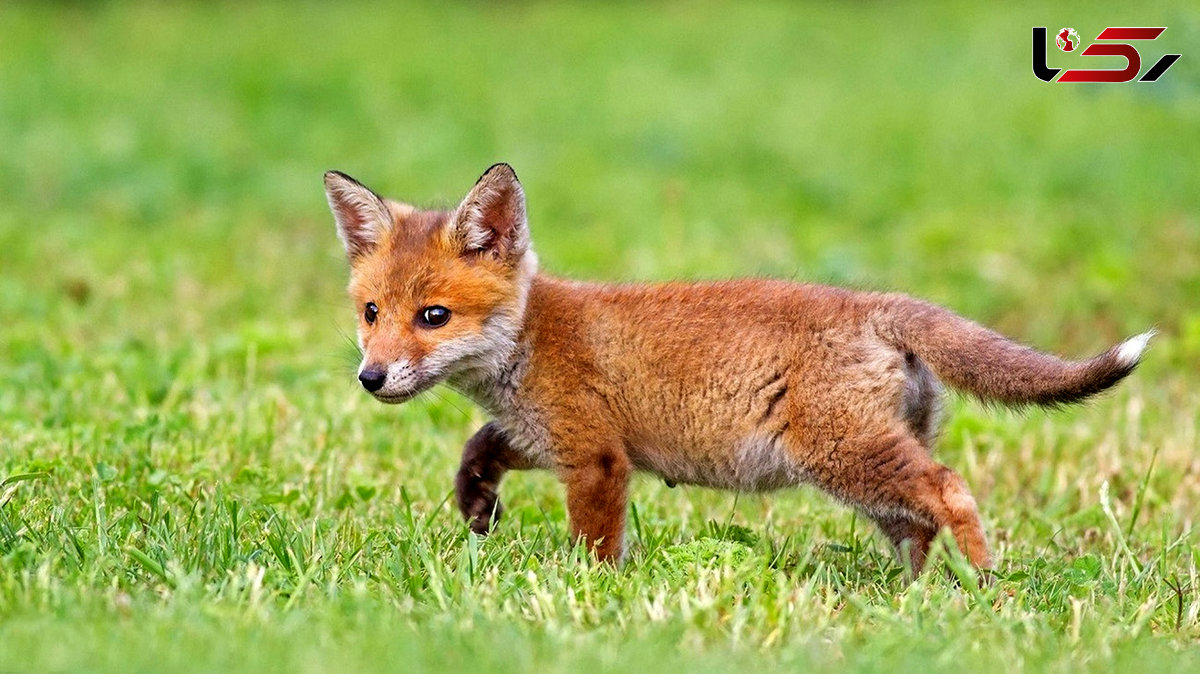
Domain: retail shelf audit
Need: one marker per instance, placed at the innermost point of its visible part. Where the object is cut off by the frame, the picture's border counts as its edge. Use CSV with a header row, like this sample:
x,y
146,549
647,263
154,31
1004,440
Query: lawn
x,y
191,479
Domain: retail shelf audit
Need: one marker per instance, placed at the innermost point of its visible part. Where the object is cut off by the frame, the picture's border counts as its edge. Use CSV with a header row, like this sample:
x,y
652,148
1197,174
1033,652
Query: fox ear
x,y
491,219
361,215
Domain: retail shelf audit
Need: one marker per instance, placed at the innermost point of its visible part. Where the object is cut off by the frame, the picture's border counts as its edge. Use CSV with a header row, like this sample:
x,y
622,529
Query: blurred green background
x,y
173,331
171,155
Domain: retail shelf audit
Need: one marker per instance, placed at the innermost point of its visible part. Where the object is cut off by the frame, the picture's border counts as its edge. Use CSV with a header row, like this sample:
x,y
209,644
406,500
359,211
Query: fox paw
x,y
477,501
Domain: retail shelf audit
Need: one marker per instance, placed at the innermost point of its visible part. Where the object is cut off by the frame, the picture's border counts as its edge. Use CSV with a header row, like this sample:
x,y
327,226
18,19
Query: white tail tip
x,y
1130,351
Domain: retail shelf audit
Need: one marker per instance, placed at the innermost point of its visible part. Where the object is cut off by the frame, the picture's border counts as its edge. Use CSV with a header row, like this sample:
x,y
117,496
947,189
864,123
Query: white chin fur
x,y
1130,351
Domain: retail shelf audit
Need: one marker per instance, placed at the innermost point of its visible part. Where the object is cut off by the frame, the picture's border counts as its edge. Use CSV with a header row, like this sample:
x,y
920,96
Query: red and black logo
x,y
1110,42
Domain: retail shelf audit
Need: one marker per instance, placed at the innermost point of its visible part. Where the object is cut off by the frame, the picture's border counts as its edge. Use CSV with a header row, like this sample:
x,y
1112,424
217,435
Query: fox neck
x,y
492,378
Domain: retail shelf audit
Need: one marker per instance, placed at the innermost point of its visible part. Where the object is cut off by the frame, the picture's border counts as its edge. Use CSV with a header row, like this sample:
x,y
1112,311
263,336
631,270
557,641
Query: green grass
x,y
190,479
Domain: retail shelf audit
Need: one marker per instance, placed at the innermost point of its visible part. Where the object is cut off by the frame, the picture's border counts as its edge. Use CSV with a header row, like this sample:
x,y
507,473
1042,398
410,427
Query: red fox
x,y
748,385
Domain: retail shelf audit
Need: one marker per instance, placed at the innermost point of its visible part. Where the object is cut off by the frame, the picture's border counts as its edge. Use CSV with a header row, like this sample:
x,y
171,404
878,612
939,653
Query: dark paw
x,y
478,502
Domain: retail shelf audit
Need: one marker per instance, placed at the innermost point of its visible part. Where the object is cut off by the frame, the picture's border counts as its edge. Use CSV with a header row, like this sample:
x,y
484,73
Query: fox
x,y
752,385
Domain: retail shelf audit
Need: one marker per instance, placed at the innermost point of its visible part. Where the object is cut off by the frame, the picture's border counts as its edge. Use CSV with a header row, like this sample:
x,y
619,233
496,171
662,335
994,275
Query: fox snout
x,y
394,382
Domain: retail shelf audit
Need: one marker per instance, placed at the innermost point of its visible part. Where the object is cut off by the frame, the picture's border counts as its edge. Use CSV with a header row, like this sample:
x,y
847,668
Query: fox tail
x,y
972,358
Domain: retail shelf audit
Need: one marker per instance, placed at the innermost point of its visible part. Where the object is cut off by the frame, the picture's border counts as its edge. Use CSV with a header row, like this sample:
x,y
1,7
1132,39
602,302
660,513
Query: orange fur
x,y
747,385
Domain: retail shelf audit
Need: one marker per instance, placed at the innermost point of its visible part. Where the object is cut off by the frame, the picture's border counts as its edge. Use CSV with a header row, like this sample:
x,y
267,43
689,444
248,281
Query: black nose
x,y
372,379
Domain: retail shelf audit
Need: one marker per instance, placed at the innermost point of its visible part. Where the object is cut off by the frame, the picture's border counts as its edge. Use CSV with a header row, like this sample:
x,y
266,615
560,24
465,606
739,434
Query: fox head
x,y
438,293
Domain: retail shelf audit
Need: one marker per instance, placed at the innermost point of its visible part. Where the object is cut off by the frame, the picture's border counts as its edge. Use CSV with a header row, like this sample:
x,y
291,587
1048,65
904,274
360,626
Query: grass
x,y
189,479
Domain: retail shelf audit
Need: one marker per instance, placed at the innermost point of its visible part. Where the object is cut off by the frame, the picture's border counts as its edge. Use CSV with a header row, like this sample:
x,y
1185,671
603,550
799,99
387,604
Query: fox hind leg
x,y
909,494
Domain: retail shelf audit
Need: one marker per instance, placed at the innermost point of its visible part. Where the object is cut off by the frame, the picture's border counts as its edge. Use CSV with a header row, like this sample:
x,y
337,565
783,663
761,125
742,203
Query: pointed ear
x,y
362,216
491,219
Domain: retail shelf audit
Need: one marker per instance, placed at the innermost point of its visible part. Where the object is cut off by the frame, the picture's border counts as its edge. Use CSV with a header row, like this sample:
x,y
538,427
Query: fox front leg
x,y
597,497
486,457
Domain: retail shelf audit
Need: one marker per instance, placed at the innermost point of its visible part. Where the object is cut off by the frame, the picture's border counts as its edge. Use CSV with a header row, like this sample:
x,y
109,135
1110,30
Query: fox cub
x,y
749,385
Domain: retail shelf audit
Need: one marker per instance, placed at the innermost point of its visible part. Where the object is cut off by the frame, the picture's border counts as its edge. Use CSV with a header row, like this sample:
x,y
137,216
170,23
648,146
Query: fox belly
x,y
757,463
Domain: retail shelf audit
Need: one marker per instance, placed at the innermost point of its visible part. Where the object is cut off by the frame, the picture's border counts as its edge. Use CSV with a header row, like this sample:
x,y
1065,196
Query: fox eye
x,y
370,312
435,316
